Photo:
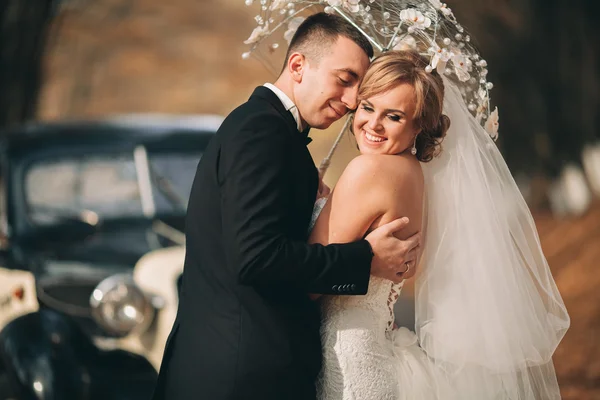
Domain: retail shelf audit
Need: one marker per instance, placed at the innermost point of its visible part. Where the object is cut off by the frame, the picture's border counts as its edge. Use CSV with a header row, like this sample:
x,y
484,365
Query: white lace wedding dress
x,y
364,358
488,314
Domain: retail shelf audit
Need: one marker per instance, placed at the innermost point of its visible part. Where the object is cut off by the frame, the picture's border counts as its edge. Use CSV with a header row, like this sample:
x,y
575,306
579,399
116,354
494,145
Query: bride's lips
x,y
372,138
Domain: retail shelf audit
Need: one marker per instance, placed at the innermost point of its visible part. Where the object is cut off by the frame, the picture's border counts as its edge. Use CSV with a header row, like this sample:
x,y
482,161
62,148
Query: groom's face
x,y
327,87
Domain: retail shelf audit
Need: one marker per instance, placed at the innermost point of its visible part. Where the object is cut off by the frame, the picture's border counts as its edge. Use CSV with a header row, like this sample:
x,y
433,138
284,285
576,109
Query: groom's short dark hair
x,y
319,31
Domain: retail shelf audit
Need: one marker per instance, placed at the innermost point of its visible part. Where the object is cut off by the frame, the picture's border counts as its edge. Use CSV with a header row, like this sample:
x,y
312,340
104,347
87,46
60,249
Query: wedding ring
x,y
400,273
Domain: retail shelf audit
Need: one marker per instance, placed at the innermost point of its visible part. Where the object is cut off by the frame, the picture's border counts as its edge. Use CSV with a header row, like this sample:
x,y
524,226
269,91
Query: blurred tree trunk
x,y
572,81
545,63
23,28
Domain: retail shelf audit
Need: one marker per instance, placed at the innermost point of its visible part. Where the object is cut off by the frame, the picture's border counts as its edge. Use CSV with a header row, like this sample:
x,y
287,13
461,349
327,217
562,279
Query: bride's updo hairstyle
x,y
397,67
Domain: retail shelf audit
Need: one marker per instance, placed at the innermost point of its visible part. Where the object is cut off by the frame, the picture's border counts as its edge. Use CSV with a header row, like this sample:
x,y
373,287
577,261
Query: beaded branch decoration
x,y
427,26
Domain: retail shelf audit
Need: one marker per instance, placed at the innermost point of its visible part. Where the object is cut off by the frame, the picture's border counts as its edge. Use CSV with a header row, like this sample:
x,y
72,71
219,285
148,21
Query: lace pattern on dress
x,y
395,290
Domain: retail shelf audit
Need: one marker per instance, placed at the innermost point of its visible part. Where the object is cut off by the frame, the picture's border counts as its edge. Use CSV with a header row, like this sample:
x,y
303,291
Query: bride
x,y
488,313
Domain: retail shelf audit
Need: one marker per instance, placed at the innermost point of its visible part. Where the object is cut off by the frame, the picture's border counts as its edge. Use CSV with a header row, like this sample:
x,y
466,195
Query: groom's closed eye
x,y
346,76
344,82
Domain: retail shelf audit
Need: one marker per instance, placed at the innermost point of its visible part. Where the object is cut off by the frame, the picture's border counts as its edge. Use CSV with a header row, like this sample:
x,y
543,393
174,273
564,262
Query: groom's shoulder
x,y
255,115
255,106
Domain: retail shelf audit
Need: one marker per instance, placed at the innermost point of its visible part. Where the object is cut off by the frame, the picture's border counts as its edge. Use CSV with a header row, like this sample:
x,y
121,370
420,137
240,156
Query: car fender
x,y
41,353
156,273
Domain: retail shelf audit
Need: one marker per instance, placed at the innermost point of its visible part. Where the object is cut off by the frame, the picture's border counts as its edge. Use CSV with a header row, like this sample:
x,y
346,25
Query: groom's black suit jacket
x,y
245,327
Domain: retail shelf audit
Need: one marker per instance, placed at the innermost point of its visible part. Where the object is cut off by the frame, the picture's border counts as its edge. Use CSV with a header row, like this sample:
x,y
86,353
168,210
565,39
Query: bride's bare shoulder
x,y
381,188
373,189
383,171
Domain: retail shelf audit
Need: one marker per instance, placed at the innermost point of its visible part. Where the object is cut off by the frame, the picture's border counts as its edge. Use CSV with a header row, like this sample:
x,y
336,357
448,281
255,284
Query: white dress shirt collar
x,y
287,103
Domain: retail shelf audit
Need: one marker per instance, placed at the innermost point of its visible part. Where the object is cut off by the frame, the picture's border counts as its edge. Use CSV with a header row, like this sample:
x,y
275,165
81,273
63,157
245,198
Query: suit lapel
x,y
306,186
267,94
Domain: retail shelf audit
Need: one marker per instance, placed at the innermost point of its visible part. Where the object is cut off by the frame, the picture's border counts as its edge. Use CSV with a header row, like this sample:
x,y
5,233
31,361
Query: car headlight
x,y
121,307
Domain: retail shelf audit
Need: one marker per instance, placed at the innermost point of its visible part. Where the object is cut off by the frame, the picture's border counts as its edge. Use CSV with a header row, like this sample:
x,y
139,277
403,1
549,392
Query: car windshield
x,y
109,186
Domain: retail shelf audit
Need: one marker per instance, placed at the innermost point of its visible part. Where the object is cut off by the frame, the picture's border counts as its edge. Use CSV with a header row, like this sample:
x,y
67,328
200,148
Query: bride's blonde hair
x,y
396,67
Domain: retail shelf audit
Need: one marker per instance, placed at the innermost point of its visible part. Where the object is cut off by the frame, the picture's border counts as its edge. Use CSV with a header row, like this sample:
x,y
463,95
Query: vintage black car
x,y
80,203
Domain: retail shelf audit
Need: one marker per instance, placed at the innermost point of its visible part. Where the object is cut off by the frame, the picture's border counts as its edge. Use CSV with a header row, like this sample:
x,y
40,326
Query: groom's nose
x,y
349,97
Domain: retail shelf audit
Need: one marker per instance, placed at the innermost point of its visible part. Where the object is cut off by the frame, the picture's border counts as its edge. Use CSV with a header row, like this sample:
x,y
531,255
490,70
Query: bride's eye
x,y
394,118
366,108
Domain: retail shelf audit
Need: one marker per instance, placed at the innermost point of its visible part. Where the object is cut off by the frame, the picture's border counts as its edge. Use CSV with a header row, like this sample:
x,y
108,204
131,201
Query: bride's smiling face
x,y
385,123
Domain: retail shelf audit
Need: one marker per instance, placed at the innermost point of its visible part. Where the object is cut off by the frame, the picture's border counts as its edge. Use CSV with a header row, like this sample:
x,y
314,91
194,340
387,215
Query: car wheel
x,y
6,391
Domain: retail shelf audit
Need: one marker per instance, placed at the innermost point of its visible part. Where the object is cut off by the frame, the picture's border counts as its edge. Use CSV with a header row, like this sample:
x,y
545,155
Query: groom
x,y
245,327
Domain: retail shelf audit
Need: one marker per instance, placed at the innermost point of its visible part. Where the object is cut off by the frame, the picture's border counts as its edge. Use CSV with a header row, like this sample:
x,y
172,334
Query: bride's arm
x,y
373,190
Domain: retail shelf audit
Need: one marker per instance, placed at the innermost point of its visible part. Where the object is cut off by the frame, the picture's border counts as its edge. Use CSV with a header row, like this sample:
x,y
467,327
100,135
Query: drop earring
x,y
413,151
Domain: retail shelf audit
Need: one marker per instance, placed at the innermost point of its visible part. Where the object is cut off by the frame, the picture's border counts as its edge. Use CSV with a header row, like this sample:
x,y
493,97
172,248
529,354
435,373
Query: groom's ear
x,y
296,66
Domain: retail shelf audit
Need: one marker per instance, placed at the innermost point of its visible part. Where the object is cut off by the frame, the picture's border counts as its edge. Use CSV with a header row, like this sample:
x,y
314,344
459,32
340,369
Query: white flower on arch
x,y
278,4
461,67
293,26
257,34
492,124
442,7
415,18
440,58
350,5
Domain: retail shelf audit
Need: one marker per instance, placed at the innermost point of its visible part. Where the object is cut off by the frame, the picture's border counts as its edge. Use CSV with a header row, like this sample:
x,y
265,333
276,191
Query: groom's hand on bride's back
x,y
394,259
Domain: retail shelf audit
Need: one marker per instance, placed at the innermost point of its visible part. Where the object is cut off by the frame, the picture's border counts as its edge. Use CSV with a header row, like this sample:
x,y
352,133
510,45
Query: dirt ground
x,y
572,248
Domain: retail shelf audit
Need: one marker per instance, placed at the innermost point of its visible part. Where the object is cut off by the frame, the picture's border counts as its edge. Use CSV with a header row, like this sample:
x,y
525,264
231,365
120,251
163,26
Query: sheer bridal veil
x,y
488,312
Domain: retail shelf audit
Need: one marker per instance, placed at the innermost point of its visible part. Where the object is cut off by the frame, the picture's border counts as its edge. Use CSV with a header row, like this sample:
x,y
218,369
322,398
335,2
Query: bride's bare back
x,y
372,191
363,356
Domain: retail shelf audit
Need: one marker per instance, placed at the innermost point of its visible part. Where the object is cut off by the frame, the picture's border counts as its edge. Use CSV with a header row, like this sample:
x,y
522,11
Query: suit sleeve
x,y
256,191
